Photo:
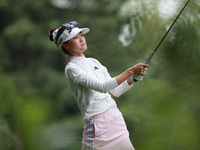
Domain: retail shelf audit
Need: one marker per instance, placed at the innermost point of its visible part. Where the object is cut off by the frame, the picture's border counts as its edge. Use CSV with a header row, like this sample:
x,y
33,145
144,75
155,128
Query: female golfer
x,y
91,85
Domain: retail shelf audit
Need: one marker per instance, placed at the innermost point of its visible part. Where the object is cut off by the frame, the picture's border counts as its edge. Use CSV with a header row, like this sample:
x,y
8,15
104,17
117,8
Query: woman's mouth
x,y
83,44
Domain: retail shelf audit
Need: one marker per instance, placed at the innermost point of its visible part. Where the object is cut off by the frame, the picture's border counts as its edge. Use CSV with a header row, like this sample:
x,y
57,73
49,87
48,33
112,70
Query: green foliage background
x,y
37,110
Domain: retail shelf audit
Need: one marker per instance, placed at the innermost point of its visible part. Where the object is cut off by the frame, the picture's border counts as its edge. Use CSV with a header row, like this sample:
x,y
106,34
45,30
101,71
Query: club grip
x,y
138,78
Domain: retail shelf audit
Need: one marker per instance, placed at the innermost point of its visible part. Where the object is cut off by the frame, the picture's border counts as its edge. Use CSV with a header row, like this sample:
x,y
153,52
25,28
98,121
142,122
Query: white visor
x,y
67,35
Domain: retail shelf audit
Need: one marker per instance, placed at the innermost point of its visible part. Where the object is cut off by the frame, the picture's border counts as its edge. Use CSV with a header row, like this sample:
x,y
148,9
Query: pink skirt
x,y
106,131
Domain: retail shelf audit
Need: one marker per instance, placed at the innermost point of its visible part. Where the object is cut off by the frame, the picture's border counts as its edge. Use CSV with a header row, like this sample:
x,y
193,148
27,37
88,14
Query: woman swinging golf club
x,y
91,86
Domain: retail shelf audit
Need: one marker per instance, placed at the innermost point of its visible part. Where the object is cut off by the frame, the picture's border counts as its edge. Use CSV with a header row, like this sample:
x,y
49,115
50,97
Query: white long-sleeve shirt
x,y
91,84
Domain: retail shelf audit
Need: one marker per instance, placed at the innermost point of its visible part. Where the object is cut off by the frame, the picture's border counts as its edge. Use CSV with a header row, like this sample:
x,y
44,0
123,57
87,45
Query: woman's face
x,y
76,46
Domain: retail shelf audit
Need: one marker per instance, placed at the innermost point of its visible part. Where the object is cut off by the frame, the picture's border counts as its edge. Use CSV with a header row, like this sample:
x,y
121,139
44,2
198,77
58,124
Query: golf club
x,y
140,77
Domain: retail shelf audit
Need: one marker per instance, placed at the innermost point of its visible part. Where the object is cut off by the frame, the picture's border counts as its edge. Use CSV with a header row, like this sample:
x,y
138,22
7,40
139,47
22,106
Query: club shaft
x,y
150,57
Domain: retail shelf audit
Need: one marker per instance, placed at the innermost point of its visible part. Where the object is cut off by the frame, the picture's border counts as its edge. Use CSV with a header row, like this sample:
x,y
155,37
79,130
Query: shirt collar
x,y
77,58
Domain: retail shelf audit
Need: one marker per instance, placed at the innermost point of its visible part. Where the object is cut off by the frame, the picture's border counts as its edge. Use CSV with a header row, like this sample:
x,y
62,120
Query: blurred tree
x,y
36,102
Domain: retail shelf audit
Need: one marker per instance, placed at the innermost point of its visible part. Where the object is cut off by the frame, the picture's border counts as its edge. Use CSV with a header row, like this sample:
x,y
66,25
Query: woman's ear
x,y
65,45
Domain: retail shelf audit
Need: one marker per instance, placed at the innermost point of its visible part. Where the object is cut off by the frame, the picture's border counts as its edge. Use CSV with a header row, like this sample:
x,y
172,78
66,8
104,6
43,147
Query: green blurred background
x,y
37,109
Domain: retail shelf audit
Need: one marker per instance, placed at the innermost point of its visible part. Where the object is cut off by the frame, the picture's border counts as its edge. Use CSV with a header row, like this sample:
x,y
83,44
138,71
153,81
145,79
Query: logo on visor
x,y
70,26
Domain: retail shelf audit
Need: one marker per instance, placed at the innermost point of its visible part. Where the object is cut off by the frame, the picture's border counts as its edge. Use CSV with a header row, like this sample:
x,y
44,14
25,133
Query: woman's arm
x,y
127,84
79,76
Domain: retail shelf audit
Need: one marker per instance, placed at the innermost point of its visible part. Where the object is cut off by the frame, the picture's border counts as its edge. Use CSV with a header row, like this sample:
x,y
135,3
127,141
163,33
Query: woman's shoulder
x,y
71,66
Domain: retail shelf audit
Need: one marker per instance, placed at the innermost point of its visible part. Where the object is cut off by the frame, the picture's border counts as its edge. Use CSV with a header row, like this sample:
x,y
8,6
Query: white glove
x,y
138,78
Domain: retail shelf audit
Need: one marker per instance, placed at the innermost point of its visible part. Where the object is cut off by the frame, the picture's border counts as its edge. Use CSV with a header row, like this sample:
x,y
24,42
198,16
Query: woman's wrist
x,y
130,72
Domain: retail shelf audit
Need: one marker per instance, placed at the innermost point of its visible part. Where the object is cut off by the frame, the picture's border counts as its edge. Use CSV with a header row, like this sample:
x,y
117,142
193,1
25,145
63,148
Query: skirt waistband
x,y
113,111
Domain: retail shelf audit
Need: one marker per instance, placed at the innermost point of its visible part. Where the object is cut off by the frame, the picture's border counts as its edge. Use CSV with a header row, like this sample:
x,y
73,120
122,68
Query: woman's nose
x,y
82,38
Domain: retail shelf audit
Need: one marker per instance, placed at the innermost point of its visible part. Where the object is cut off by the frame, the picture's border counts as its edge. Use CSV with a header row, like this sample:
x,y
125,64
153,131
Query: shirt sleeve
x,y
120,89
77,75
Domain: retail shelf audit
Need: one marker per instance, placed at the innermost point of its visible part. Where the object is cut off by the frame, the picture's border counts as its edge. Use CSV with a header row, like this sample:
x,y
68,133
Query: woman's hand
x,y
138,69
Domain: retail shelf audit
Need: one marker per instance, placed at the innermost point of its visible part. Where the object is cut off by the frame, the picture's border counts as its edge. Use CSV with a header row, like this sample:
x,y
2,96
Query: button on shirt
x,y
91,85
